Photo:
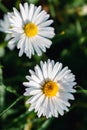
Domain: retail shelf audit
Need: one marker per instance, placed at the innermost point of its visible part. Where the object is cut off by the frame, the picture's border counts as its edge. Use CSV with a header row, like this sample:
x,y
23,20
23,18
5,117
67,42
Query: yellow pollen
x,y
30,29
50,88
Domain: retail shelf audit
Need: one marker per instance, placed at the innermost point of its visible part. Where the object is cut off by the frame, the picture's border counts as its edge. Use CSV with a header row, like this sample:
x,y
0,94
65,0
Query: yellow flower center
x,y
50,88
30,29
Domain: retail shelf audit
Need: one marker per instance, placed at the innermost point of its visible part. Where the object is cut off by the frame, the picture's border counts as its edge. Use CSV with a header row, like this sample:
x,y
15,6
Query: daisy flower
x,y
50,88
4,27
31,29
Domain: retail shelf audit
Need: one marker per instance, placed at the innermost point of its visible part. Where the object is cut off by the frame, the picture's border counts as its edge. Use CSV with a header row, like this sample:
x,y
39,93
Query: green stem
x,y
82,90
11,90
17,100
46,124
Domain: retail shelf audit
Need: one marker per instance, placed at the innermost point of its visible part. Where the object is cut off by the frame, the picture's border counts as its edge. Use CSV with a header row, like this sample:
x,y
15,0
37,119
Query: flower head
x,y
50,87
31,29
4,27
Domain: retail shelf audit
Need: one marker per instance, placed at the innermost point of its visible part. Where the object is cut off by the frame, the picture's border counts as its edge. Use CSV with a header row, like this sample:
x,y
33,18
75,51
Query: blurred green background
x,y
69,47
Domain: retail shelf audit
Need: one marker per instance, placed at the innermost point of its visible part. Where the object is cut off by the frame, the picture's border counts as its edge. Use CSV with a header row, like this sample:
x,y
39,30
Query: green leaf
x,y
3,8
2,96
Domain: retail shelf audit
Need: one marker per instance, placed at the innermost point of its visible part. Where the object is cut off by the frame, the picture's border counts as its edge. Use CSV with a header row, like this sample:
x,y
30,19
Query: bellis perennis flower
x,y
4,27
31,29
50,87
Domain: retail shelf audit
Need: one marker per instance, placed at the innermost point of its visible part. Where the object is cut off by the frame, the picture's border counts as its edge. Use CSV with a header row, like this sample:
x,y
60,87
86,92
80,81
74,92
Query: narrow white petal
x,y
53,110
46,34
31,72
49,70
34,98
36,91
31,12
56,105
27,91
23,13
36,48
28,77
18,16
18,30
67,96
46,23
21,48
32,84
35,78
21,45
8,37
30,48
26,8
39,72
37,11
44,69
41,17
39,43
56,69
46,42
21,42
64,102
31,107
62,73
40,102
46,29
68,87
26,44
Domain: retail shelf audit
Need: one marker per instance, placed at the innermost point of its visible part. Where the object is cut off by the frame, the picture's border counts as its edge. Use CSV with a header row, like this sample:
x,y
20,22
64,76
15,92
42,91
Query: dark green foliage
x,y
69,47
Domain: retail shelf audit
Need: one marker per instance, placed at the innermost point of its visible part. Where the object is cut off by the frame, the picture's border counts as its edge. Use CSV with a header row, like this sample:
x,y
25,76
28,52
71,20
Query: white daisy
x,y
4,27
31,29
50,87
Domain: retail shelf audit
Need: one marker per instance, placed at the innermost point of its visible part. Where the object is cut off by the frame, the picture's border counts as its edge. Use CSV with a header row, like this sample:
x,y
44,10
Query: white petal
x,y
53,110
12,41
31,12
8,37
46,34
17,14
62,73
42,16
56,69
21,45
56,105
46,42
32,84
34,98
37,11
32,72
17,30
39,72
35,78
49,70
39,43
23,13
46,23
26,8
36,48
35,92
64,102
40,102
67,96
30,48
68,87
44,69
